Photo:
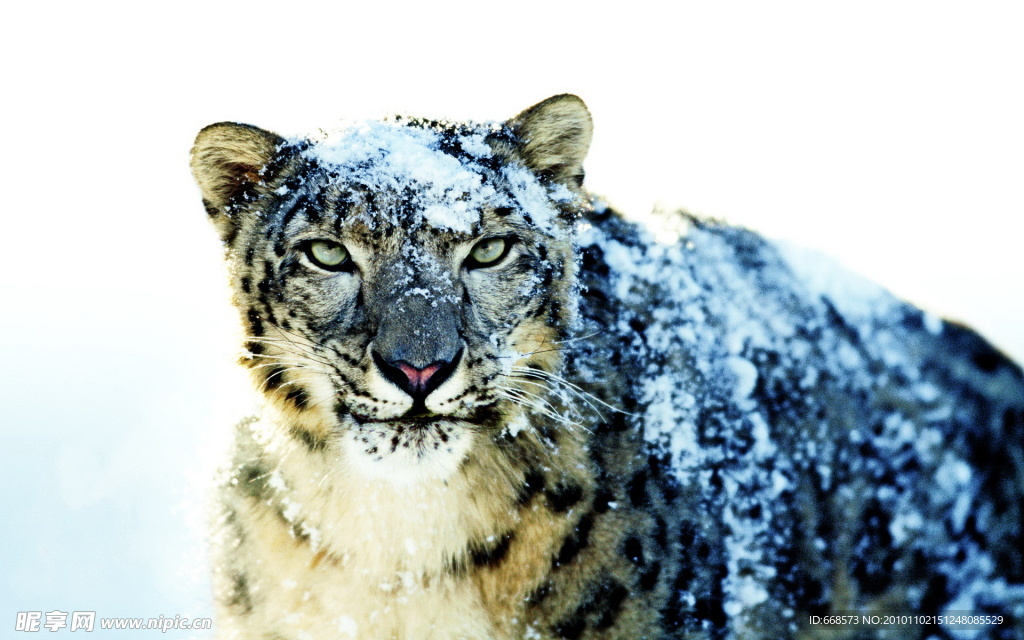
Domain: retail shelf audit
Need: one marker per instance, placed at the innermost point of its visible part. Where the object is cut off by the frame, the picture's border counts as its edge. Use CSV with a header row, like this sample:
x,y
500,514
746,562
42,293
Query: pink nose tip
x,y
418,378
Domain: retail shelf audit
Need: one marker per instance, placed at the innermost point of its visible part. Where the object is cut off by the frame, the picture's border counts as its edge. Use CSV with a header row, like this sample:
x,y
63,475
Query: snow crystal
x,y
763,447
291,511
531,633
932,323
746,593
476,145
954,474
518,423
905,524
927,392
347,626
746,376
532,196
276,481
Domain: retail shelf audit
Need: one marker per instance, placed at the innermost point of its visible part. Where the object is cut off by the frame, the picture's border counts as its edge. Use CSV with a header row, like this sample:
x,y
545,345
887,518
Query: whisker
x,y
559,390
283,360
578,338
263,386
536,399
540,373
535,405
285,348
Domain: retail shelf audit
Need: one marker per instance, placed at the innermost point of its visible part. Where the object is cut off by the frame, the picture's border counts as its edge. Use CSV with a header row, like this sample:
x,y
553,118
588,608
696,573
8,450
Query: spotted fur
x,y
596,437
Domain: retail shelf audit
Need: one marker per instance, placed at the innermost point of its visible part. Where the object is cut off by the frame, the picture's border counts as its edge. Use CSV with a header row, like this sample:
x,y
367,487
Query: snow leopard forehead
x,y
419,175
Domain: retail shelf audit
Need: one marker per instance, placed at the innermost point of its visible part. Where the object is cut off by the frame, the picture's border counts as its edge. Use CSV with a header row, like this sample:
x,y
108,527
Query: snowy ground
x,y
888,137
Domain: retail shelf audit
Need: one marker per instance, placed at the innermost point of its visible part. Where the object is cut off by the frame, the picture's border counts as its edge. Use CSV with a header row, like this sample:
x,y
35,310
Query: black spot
x,y
312,442
638,325
659,533
601,500
593,261
255,323
711,605
252,480
874,563
493,556
988,360
1012,420
275,378
608,600
936,595
838,322
238,595
571,628
563,497
539,595
634,550
630,403
263,300
246,284
231,234
532,484
618,423
295,531
298,397
963,340
575,542
649,578
687,536
684,577
456,567
299,206
637,489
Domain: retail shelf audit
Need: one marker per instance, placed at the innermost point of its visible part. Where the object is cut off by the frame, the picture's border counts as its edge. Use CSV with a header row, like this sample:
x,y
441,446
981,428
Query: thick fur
x,y
631,440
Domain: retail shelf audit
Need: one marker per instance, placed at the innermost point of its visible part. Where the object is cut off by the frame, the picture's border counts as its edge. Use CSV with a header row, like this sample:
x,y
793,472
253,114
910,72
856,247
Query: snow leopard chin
x,y
405,451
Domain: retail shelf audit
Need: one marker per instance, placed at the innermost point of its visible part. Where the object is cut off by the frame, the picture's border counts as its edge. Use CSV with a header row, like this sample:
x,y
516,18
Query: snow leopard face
x,y
403,285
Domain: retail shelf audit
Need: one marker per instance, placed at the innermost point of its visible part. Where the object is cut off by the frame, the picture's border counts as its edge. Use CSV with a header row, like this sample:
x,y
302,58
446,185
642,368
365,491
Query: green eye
x,y
328,255
488,252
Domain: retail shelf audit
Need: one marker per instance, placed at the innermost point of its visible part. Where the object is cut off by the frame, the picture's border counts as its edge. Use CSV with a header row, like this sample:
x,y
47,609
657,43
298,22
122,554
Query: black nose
x,y
418,382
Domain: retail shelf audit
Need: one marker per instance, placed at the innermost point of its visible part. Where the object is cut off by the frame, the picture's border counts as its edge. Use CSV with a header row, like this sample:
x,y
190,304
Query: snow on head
x,y
442,177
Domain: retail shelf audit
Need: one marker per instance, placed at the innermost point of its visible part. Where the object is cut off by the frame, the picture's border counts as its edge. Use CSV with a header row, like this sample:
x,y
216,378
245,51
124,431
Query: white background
x,y
888,134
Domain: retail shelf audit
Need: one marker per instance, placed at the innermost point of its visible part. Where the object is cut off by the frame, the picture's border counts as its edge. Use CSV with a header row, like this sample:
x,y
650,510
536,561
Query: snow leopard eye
x,y
328,255
488,252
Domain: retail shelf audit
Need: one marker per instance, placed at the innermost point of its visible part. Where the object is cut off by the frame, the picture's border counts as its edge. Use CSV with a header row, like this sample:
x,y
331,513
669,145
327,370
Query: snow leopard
x,y
495,408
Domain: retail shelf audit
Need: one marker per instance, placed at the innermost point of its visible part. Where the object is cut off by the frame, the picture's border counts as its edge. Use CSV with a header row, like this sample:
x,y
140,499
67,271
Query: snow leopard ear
x,y
553,138
228,161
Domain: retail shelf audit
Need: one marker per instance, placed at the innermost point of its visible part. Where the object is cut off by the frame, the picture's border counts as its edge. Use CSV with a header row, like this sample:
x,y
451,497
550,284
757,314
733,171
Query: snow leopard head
x,y
404,285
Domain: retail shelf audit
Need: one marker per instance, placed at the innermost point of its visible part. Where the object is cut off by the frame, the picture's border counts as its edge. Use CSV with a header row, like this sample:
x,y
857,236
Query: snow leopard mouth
x,y
418,418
